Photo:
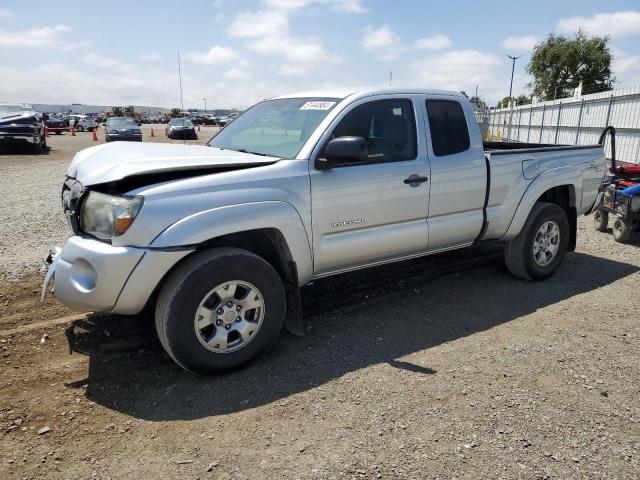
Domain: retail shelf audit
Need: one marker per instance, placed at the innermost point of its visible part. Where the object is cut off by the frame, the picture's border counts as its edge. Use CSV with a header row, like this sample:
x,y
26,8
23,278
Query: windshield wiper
x,y
244,150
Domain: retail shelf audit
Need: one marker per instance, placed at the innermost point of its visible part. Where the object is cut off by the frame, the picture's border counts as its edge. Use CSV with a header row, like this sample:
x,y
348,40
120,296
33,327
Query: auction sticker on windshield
x,y
317,105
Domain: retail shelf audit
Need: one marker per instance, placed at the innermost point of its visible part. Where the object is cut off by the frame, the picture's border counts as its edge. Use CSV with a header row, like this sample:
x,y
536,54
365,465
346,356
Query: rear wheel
x,y
220,309
538,250
601,220
80,128
621,230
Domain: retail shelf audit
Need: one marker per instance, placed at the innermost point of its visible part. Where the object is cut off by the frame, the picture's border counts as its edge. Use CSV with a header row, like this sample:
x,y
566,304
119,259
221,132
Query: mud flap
x,y
294,321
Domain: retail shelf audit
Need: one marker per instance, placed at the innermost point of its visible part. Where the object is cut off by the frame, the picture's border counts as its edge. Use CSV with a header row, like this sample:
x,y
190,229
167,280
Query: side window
x,y
388,126
448,126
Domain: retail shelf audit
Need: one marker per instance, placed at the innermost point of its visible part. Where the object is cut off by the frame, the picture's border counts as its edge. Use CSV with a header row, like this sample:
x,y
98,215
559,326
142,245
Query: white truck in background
x,y
218,239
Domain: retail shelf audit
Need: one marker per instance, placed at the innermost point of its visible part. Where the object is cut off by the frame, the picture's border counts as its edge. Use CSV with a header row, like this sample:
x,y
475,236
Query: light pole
x,y
513,67
205,105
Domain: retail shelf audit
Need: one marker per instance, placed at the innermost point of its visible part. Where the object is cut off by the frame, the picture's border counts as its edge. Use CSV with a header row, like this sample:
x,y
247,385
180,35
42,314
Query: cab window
x,y
388,126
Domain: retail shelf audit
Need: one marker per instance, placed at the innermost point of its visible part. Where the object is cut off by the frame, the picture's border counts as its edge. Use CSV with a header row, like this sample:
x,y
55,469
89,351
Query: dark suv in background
x,y
122,128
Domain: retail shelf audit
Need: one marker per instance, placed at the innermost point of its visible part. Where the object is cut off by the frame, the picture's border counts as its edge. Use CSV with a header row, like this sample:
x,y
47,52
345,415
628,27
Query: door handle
x,y
414,180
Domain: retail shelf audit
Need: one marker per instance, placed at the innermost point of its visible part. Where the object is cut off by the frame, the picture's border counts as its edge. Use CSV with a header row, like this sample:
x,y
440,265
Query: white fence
x,y
572,121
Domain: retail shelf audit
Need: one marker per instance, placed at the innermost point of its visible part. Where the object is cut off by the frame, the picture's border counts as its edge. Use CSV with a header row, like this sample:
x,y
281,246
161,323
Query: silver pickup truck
x,y
218,239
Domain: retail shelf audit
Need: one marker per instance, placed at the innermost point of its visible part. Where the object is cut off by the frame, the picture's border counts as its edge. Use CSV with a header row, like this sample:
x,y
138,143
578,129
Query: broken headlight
x,y
107,216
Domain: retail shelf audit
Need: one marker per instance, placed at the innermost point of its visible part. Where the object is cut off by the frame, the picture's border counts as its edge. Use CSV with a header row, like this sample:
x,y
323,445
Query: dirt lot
x,y
443,367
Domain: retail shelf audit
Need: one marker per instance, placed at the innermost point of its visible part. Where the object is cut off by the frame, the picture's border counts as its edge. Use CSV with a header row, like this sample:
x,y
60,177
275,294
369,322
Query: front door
x,y
376,210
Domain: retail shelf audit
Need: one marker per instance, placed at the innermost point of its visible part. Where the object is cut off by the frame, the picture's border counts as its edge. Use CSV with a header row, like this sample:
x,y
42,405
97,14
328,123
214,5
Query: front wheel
x,y
220,309
80,128
601,220
538,250
40,147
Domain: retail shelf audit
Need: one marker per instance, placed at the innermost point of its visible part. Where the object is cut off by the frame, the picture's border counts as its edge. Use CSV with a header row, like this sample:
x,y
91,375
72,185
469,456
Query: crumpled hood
x,y
17,115
118,160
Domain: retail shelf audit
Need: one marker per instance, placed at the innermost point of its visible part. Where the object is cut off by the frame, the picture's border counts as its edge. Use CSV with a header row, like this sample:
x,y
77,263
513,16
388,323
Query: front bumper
x,y
186,134
112,137
95,276
11,139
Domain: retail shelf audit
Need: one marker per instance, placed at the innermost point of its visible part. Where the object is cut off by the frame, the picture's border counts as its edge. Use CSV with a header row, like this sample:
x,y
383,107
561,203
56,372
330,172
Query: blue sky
x,y
235,53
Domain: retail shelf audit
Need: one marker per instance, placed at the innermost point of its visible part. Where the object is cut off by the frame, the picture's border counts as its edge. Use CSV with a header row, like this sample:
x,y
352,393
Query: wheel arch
x,y
272,230
560,186
565,197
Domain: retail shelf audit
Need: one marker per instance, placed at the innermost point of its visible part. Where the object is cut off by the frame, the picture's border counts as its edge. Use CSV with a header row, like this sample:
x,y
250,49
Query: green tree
x,y
519,100
559,64
478,102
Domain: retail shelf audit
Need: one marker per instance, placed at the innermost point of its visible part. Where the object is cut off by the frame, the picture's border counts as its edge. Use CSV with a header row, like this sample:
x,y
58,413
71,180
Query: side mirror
x,y
344,150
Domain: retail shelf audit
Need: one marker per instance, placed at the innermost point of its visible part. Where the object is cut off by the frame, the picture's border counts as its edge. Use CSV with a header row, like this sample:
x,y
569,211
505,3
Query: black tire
x,y
190,283
621,231
40,147
601,220
518,253
58,132
80,128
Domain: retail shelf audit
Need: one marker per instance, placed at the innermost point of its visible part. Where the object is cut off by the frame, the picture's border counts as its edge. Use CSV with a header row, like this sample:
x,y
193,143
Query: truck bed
x,y
497,148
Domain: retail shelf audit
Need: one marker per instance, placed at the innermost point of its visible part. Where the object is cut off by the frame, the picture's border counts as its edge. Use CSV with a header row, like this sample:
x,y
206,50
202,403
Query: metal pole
x,y
513,67
606,122
519,123
558,122
205,105
542,123
579,121
529,127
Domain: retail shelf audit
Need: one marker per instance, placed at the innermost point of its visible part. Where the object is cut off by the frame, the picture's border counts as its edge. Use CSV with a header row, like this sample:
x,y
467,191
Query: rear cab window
x,y
448,127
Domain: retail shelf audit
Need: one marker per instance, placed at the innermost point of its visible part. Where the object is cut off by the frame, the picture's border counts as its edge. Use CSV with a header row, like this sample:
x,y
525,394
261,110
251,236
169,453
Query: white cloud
x,y
626,69
5,13
216,55
235,73
383,43
617,24
259,24
151,57
340,6
38,37
301,56
101,61
520,44
456,70
434,42
348,6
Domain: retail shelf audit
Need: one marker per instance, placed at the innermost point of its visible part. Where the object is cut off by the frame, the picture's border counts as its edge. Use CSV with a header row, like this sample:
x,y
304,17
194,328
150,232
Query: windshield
x,y
122,122
277,128
181,122
14,108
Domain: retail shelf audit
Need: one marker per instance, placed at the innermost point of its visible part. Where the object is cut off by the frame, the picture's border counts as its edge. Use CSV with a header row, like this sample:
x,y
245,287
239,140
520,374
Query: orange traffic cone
x,y
95,135
73,131
46,131
152,134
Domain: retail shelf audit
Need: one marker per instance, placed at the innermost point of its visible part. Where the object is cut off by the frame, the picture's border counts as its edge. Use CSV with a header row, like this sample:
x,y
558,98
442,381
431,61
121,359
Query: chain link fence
x,y
574,121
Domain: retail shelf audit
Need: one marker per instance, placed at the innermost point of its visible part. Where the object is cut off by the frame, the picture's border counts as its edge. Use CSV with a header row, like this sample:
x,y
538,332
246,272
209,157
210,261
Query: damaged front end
x,y
21,127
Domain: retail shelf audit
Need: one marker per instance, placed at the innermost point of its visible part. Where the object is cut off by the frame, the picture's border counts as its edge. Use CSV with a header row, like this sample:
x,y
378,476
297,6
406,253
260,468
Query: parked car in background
x,y
181,128
55,124
82,123
219,238
122,128
20,124
202,120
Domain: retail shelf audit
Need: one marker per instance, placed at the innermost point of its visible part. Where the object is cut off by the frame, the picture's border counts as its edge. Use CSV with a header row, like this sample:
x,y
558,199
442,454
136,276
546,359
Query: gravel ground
x,y
32,220
442,367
